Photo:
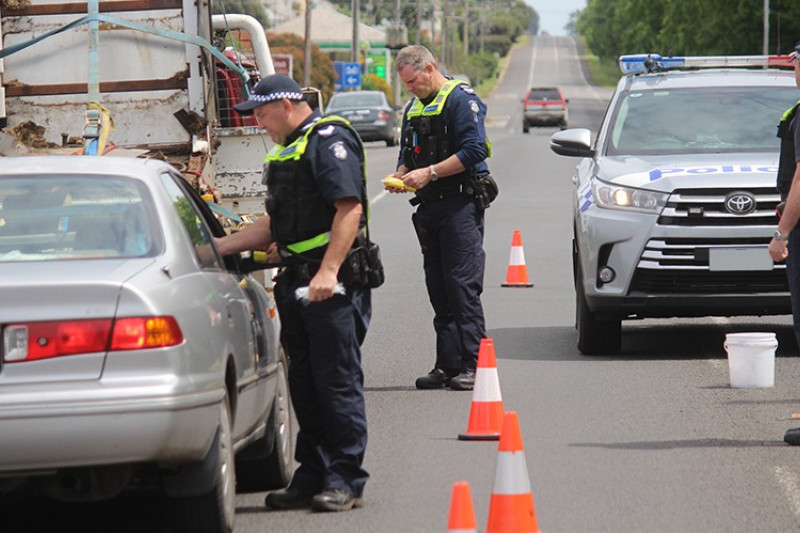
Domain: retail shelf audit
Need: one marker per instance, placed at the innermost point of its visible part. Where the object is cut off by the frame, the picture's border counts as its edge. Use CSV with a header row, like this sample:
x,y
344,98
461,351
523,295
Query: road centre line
x,y
789,482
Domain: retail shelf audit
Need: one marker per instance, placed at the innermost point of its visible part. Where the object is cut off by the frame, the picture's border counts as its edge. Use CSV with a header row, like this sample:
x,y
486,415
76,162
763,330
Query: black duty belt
x,y
465,187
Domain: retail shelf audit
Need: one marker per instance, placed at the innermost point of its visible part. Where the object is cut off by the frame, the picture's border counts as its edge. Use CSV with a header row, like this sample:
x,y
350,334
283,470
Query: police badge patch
x,y
474,106
339,151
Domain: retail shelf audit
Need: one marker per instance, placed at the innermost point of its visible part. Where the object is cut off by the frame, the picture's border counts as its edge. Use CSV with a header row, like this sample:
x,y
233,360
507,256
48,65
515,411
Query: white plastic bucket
x,y
751,359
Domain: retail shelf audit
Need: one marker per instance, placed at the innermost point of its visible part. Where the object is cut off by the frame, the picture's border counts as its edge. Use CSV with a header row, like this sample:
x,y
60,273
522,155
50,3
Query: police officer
x,y
785,244
442,154
315,209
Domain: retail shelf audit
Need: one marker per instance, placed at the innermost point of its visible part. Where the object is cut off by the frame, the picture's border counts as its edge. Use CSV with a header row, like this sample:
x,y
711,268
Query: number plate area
x,y
728,259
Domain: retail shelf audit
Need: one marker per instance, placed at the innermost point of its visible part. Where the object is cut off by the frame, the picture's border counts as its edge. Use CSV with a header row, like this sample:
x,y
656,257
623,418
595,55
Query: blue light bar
x,y
641,63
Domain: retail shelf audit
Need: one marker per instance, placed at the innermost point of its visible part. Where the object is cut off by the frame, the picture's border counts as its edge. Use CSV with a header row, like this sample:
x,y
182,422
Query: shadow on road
x,y
639,341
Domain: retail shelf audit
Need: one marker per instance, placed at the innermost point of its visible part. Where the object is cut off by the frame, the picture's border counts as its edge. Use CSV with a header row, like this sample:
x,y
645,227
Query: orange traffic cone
x,y
486,412
517,275
511,505
462,516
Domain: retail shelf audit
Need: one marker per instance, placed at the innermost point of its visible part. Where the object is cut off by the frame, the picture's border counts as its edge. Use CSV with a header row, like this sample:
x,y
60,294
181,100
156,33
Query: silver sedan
x,y
132,353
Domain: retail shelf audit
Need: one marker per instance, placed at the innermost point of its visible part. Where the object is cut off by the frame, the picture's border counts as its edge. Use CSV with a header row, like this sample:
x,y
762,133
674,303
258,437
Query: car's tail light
x,y
43,340
383,115
147,332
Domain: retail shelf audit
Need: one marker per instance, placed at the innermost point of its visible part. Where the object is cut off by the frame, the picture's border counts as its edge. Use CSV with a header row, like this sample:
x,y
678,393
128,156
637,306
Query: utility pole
x,y
443,66
307,73
356,6
466,28
765,48
419,23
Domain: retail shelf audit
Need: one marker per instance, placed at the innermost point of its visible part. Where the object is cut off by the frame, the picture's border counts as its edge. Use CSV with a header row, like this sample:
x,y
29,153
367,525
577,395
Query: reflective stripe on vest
x,y
435,107
789,112
294,152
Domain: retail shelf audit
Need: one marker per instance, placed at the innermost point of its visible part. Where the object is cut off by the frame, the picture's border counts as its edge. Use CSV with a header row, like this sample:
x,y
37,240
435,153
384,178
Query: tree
x,y
323,75
687,27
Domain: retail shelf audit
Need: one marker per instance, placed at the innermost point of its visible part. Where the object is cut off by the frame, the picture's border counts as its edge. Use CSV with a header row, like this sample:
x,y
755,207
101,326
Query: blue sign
x,y
348,75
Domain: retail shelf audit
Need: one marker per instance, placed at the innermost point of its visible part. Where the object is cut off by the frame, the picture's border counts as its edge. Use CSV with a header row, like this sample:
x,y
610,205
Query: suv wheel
x,y
595,336
525,128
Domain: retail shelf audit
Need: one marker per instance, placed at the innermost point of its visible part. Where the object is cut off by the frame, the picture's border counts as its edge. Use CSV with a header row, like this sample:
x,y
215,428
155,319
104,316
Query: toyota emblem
x,y
740,203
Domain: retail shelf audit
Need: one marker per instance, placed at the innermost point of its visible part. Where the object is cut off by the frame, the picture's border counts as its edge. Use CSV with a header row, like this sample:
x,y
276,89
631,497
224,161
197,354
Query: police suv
x,y
675,201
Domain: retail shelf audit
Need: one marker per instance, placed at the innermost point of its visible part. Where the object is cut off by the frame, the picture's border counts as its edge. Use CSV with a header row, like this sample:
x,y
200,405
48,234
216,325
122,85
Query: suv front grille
x,y
706,207
705,282
682,265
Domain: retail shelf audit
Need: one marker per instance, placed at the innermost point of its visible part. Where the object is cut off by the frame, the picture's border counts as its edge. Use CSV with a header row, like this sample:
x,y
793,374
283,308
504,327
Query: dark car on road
x,y
369,112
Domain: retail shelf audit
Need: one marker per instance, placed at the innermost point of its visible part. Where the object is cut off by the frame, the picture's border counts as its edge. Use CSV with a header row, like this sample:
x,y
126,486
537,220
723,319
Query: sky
x,y
554,14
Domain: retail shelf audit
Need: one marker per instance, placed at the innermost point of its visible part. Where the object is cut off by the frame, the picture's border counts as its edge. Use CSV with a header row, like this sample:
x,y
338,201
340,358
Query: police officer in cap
x,y
316,209
442,153
785,244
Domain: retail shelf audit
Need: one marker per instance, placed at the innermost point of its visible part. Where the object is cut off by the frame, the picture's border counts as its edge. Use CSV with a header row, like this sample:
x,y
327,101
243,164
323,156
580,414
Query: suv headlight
x,y
628,198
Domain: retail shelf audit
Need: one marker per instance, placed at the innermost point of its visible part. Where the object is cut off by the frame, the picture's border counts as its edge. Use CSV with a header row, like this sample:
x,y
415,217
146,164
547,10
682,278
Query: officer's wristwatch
x,y
778,236
434,175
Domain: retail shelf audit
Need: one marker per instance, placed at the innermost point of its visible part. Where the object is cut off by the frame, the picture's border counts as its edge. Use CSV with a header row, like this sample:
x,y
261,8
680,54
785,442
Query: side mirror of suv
x,y
574,143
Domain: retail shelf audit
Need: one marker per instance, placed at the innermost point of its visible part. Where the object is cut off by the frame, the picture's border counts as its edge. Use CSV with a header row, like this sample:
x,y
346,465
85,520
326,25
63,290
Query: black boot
x,y
435,379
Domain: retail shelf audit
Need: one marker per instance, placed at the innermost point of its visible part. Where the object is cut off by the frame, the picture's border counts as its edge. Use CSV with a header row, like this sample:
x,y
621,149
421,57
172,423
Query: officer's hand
x,y
417,178
321,286
778,250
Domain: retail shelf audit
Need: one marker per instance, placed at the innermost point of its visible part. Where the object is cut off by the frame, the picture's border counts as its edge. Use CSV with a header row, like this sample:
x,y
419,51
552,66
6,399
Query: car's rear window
x,y
544,94
46,218
698,120
345,100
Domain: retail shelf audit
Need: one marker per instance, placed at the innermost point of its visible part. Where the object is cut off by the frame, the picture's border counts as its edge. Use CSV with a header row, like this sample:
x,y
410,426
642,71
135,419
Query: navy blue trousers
x,y
450,233
793,273
323,343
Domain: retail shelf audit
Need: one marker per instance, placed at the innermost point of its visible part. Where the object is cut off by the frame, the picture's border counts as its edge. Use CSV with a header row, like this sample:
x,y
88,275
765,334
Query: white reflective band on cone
x,y
517,256
512,474
489,386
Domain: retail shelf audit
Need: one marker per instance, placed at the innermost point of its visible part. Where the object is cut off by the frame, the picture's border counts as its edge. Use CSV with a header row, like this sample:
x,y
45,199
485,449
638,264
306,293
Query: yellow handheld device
x,y
397,183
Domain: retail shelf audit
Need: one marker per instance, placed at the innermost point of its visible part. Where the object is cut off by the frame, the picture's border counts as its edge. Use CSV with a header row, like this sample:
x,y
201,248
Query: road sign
x,y
282,64
348,75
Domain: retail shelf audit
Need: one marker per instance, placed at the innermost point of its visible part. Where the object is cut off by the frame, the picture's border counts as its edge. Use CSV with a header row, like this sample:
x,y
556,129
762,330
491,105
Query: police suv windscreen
x,y
699,120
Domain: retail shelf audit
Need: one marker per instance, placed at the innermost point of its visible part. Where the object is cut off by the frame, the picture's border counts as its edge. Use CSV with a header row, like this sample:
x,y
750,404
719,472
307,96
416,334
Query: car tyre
x,y
595,336
525,128
214,511
267,464
563,125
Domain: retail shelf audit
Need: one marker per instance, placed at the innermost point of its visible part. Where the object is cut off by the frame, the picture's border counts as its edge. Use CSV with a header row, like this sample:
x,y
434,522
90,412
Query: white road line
x,y
378,197
790,484
533,65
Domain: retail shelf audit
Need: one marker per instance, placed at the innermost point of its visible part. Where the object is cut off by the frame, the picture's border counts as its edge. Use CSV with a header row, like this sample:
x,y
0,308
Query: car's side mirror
x,y
575,142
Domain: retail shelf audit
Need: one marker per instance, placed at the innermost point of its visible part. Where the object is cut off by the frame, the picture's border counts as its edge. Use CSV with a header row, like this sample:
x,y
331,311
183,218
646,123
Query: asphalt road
x,y
651,440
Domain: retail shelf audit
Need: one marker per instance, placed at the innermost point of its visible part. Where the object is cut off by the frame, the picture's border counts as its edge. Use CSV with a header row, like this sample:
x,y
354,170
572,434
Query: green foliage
x,y
687,27
373,82
323,75
480,67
